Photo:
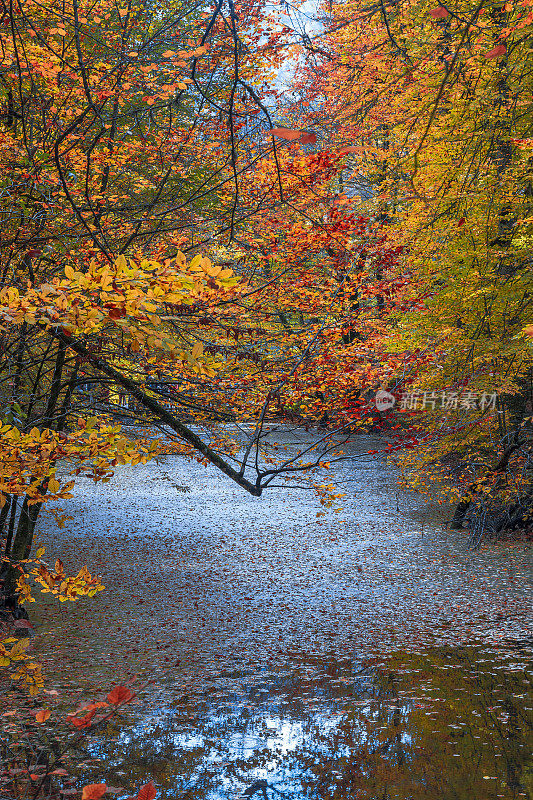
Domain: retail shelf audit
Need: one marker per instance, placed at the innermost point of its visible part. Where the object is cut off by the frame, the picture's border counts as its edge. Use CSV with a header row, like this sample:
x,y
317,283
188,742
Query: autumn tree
x,y
133,136
432,101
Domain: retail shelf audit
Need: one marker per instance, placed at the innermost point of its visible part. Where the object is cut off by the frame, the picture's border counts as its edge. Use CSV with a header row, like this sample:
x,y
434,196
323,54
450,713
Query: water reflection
x,y
448,723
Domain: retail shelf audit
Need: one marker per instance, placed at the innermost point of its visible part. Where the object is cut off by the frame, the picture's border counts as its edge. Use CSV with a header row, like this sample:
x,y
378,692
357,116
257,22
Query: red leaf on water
x,y
81,722
93,791
147,792
119,695
23,623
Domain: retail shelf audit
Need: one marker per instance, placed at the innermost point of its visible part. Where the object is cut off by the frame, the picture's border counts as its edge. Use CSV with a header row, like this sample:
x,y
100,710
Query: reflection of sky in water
x,y
272,613
411,730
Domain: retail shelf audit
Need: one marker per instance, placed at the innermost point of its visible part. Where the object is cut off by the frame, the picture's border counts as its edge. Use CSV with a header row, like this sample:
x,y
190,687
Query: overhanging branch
x,y
160,411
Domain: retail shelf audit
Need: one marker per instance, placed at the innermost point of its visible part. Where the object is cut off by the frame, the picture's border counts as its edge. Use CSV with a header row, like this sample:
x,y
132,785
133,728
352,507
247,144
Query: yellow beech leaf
x,y
197,350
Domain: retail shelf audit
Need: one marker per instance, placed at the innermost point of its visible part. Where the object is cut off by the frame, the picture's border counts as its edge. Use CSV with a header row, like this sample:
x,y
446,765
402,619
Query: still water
x,y
366,653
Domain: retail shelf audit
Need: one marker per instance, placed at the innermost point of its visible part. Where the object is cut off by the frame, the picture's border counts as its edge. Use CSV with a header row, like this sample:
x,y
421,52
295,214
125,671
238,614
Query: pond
x,y
365,653
449,723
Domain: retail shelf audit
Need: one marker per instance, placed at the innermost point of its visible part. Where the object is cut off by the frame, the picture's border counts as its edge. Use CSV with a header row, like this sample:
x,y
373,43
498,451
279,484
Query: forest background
x,y
185,245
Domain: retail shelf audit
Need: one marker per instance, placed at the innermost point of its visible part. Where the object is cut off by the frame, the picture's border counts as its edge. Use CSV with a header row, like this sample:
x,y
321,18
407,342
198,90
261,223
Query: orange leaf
x,y
42,715
119,695
93,791
147,792
438,13
284,133
496,52
350,149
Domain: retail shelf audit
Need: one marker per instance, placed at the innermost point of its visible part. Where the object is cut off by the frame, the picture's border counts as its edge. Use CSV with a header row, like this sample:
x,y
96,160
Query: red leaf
x,y
308,138
94,706
93,791
284,133
23,623
496,52
115,312
119,695
438,13
461,222
147,792
81,722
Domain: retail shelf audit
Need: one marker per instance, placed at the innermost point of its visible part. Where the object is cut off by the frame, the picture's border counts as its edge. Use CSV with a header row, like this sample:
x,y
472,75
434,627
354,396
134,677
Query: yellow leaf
x,y
197,350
